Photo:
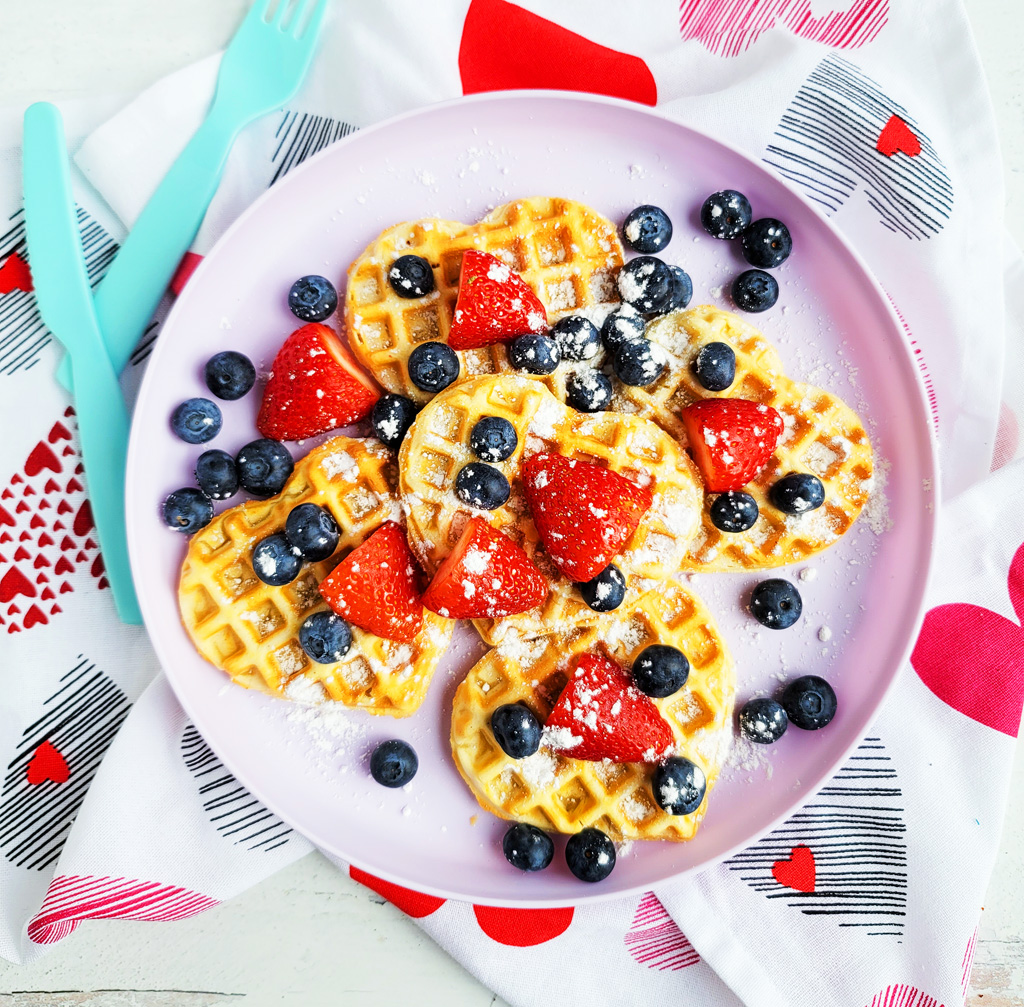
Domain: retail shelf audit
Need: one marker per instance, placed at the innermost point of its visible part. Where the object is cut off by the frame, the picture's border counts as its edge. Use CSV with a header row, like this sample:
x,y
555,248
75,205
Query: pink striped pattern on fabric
x,y
902,995
654,939
968,962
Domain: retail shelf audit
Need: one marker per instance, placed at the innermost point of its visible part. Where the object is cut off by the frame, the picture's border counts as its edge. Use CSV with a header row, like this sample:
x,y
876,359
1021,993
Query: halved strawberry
x,y
314,386
584,513
487,576
495,304
601,714
375,586
731,440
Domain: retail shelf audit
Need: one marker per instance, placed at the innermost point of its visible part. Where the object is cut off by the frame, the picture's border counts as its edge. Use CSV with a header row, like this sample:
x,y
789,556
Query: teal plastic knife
x,y
65,302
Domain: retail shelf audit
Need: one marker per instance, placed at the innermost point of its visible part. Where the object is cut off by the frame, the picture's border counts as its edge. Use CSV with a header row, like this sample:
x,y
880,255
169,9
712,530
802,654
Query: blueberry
x,y
577,337
776,603
392,416
638,362
187,510
482,486
588,391
605,592
196,421
534,353
682,289
516,730
726,214
312,298
411,276
646,229
621,324
276,561
229,375
755,290
527,847
810,702
393,763
312,530
493,439
660,670
264,467
647,284
797,493
217,475
766,243
763,721
433,366
590,855
733,511
325,637
715,366
679,785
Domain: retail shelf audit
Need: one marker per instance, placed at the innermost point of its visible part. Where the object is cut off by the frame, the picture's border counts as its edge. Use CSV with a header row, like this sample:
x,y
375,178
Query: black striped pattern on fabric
x,y
825,145
300,135
855,830
22,331
232,810
80,720
145,345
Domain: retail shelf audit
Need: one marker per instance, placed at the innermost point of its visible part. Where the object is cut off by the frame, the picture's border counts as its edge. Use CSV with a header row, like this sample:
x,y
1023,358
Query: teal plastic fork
x,y
261,69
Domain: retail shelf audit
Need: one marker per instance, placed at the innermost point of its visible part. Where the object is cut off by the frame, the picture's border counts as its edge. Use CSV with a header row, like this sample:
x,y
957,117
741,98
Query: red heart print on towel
x,y
901,995
523,928
13,583
897,138
15,274
654,939
505,47
973,658
796,872
414,904
47,764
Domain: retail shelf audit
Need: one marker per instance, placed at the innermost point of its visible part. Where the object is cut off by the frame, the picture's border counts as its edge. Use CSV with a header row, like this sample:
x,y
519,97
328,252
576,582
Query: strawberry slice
x,y
731,440
584,513
494,306
314,386
601,714
487,576
375,586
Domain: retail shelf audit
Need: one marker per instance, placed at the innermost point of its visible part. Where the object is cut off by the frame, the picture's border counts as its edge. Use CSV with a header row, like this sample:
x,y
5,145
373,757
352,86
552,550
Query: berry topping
x,y
217,474
487,576
715,366
391,417
731,440
411,276
229,375
393,763
584,513
187,510
314,386
264,467
590,855
493,439
588,391
312,298
312,530
481,485
679,786
810,702
196,421
733,511
527,847
577,337
604,593
660,670
275,561
763,721
766,243
726,214
534,353
325,637
601,714
755,290
638,362
495,304
682,289
516,730
776,603
647,284
646,229
433,366
621,324
797,493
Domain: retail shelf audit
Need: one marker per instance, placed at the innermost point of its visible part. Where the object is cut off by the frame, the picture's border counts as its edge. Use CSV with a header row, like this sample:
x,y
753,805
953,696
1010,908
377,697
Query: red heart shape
x,y
58,432
47,764
66,544
13,583
68,450
36,522
14,274
41,561
5,517
7,494
74,485
21,508
22,553
83,519
34,616
70,411
28,491
54,609
47,595
65,587
44,540
6,537
25,537
43,504
41,458
52,486
523,928
63,566
64,507
897,137
798,872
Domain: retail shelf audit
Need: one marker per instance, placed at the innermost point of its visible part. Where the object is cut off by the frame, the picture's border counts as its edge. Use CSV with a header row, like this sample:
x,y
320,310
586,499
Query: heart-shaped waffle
x,y
437,447
552,790
822,436
251,630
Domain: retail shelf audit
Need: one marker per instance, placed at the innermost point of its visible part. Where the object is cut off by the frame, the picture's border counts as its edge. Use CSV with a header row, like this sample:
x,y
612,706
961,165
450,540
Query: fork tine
x,y
312,28
282,6
258,11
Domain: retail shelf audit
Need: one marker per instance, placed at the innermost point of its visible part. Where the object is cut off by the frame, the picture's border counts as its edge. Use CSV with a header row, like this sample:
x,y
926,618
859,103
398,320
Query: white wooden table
x,y
333,941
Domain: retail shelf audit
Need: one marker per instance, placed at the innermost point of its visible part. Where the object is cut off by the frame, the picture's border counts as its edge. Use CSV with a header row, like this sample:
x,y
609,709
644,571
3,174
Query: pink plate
x,y
833,325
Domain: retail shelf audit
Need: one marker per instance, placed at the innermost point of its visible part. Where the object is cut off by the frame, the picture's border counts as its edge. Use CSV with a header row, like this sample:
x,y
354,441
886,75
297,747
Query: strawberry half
x,y
495,304
314,386
731,440
374,587
584,513
487,576
601,714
